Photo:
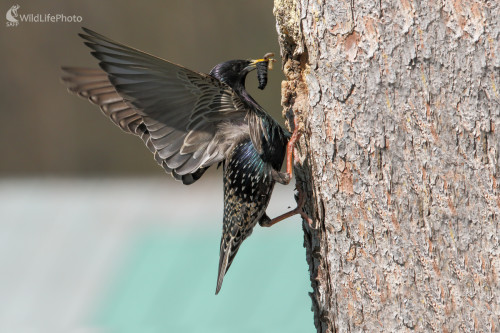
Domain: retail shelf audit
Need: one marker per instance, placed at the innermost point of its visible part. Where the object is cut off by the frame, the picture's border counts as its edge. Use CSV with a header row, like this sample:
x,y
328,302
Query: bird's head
x,y
234,72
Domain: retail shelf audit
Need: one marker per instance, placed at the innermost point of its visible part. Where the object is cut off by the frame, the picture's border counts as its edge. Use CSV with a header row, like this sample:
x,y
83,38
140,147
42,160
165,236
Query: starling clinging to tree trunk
x,y
190,121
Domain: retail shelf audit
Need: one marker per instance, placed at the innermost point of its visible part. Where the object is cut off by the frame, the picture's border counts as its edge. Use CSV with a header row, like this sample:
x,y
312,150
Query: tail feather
x,y
223,263
228,249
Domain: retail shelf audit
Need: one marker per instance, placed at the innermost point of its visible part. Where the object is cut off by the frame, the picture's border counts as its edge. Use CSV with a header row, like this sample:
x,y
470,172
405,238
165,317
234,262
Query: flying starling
x,y
190,121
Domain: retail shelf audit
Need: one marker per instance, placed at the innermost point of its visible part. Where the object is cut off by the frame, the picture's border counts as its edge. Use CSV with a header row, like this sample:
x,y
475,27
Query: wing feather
x,y
187,119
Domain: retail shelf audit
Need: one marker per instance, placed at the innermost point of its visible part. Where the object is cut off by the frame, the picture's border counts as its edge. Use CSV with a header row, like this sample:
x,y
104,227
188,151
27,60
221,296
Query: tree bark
x,y
400,108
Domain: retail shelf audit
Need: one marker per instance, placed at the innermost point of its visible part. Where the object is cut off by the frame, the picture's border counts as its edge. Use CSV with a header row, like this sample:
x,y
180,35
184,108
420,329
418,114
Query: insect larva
x,y
263,67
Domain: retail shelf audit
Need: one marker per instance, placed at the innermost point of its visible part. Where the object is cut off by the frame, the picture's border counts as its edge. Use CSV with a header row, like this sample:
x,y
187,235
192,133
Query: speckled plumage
x,y
190,121
248,179
248,185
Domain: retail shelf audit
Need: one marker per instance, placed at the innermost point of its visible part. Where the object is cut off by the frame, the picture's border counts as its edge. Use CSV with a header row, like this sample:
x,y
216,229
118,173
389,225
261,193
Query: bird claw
x,y
301,199
281,177
285,178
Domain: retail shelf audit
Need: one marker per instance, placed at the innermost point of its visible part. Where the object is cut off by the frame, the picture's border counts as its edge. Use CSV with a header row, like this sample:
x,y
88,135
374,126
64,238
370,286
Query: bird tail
x,y
228,248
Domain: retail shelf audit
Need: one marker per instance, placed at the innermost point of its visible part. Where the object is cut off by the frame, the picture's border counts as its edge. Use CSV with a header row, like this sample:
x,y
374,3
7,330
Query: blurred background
x,y
94,236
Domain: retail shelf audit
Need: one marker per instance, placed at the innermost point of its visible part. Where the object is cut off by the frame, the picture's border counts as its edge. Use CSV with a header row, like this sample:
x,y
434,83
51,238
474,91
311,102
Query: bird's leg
x,y
285,177
290,147
301,198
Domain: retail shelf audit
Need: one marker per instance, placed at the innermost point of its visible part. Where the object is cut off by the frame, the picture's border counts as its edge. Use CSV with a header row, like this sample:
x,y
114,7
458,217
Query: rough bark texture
x,y
400,105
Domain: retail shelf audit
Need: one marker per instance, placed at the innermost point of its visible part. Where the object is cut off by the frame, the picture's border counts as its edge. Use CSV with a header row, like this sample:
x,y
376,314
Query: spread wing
x,y
187,119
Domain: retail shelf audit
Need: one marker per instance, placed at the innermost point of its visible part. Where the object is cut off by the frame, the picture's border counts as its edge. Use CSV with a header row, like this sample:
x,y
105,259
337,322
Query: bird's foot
x,y
290,147
281,177
285,177
301,199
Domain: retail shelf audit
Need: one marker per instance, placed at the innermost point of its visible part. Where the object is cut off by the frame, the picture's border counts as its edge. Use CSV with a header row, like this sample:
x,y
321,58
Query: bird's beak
x,y
267,58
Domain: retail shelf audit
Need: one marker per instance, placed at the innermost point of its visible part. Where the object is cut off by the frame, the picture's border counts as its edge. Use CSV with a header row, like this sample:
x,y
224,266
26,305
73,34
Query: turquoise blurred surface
x,y
141,255
167,284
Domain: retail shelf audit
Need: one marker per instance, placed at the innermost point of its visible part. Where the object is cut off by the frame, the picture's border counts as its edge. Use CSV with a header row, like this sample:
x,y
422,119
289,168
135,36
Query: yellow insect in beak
x,y
267,58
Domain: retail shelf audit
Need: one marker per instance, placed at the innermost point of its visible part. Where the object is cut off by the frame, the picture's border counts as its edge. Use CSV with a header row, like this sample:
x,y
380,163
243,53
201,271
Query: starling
x,y
190,121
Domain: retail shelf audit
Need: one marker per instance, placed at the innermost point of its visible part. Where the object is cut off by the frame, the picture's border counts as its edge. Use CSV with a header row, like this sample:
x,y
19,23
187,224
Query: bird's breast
x,y
247,184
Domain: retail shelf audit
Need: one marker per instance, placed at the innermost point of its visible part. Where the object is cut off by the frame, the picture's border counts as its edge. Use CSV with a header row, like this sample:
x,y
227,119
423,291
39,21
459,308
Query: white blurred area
x,y
62,239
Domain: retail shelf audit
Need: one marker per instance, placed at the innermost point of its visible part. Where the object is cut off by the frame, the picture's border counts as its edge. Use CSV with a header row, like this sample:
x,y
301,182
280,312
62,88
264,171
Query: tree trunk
x,y
400,107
